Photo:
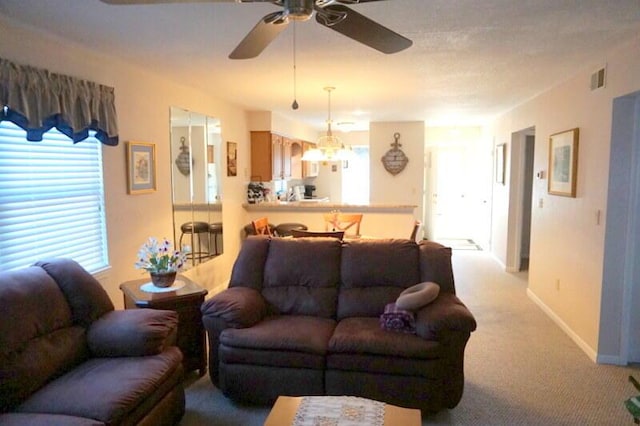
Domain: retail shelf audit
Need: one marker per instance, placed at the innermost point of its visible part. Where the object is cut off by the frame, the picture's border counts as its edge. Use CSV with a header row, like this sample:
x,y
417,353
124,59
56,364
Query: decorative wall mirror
x,y
196,161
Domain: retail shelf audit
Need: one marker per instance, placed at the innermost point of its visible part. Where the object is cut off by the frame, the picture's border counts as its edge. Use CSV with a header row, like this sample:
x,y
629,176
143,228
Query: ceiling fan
x,y
332,14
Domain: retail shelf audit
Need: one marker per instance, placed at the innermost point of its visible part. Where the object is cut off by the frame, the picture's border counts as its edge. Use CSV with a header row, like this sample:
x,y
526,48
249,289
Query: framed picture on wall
x,y
500,153
563,163
232,159
141,167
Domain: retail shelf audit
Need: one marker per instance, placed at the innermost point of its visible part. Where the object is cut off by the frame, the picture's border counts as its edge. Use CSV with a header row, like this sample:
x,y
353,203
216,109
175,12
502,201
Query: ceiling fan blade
x,y
260,36
124,2
354,25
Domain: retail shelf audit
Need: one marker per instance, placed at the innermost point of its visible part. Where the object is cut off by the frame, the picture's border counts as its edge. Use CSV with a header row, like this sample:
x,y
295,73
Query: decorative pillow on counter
x,y
417,296
394,319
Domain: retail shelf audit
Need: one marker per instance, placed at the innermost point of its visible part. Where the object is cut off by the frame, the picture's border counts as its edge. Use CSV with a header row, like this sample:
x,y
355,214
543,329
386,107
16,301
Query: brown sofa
x,y
67,357
301,317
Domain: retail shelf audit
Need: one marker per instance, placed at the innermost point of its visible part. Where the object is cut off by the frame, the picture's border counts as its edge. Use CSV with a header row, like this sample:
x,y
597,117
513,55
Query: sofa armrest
x,y
445,313
132,332
239,307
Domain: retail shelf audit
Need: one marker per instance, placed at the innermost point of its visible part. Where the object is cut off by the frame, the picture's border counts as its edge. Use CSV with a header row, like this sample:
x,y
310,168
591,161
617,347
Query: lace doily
x,y
339,411
150,288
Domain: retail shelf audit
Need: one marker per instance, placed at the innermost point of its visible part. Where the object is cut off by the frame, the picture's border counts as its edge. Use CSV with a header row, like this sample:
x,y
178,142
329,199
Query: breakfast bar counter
x,y
326,206
379,220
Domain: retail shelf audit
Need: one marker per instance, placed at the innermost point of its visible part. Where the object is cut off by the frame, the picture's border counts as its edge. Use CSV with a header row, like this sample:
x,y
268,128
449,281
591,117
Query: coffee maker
x,y
308,191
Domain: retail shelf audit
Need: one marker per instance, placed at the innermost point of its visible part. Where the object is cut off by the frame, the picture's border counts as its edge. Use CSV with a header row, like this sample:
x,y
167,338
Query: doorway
x,y
527,194
520,199
458,187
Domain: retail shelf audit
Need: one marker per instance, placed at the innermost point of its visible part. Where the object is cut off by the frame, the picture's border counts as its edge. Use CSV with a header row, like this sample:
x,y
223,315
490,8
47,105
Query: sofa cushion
x,y
248,267
287,342
39,419
374,273
84,294
360,335
435,265
359,344
301,276
37,338
283,333
133,332
106,389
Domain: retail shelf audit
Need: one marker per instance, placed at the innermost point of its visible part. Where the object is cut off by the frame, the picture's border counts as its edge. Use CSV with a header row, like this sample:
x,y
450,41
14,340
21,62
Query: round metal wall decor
x,y
395,160
182,161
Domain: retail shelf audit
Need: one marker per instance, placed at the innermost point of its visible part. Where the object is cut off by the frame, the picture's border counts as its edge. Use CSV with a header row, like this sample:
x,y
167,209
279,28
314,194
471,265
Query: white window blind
x,y
51,200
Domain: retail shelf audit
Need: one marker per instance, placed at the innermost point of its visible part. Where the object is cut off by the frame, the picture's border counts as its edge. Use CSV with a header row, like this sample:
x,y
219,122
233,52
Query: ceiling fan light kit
x,y
332,14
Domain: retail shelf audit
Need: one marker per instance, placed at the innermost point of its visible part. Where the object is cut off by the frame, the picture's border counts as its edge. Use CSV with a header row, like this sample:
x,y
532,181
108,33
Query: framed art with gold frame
x,y
141,167
232,159
563,163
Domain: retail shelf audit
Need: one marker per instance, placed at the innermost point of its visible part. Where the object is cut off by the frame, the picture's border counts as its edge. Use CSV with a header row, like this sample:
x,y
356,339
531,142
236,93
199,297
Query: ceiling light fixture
x,y
329,146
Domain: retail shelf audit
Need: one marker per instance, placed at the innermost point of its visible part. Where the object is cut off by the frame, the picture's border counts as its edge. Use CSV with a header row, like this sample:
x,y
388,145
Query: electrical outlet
x,y
541,202
557,284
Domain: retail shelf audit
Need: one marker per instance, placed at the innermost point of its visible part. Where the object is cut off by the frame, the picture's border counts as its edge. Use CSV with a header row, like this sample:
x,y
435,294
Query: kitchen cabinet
x,y
266,156
274,157
296,151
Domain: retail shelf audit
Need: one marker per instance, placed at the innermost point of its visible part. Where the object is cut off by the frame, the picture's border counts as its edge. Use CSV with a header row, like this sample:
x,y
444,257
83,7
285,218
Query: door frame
x,y
517,181
622,240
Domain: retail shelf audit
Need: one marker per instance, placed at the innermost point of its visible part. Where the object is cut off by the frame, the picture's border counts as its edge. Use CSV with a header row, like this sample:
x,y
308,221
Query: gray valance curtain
x,y
38,100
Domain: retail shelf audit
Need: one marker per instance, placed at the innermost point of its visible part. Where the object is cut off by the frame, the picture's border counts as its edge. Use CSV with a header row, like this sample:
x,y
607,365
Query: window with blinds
x,y
51,200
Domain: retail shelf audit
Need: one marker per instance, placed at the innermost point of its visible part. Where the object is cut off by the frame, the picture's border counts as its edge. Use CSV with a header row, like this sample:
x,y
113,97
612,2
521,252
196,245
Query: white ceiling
x,y
470,59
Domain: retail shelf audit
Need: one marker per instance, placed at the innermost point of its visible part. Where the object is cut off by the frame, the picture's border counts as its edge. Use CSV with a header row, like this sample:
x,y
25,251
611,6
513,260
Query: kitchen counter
x,y
379,220
326,206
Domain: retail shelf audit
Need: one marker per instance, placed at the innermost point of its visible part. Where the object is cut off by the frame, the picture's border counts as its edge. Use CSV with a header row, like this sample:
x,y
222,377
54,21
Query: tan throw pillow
x,y
417,296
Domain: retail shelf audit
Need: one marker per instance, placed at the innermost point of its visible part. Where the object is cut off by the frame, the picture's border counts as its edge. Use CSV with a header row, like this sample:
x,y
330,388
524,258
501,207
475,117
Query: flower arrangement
x,y
158,258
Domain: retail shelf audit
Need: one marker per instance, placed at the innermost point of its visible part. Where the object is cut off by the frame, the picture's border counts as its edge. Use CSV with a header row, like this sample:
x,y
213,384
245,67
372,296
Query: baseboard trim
x,y
592,354
497,259
610,359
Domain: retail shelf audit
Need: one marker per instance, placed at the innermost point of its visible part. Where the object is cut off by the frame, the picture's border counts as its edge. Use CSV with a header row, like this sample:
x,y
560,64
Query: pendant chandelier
x,y
329,147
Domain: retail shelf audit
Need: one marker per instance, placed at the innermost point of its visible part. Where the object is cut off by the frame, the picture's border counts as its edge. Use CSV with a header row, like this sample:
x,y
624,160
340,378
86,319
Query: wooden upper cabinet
x,y
296,160
275,157
285,158
261,156
278,151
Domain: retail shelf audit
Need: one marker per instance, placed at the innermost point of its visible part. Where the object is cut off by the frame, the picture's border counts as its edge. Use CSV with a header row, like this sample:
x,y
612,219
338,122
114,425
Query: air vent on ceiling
x,y
598,78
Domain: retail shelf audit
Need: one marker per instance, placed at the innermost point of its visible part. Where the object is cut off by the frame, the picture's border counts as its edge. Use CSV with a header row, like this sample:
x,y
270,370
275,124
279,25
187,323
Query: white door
x,y
461,177
450,198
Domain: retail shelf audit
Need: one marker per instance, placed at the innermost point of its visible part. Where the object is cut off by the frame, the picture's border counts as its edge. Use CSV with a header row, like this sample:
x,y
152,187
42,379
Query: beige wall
x,y
406,186
143,100
567,242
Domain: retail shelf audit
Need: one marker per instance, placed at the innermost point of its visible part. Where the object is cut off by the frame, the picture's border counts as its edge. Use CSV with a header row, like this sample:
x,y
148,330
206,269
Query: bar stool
x,y
248,229
284,229
215,229
195,228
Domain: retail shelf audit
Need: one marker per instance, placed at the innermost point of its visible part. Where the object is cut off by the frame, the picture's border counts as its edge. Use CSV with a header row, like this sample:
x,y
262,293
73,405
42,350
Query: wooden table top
x,y
144,298
285,408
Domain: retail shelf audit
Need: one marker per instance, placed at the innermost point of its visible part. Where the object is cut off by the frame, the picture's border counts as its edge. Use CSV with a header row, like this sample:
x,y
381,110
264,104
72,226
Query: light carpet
x,y
520,368
459,243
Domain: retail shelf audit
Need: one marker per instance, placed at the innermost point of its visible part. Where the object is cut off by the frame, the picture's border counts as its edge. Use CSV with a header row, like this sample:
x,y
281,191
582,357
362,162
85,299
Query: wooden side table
x,y
186,301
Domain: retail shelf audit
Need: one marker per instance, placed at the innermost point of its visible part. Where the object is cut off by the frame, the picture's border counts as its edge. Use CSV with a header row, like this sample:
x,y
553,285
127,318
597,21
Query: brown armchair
x,y
68,357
